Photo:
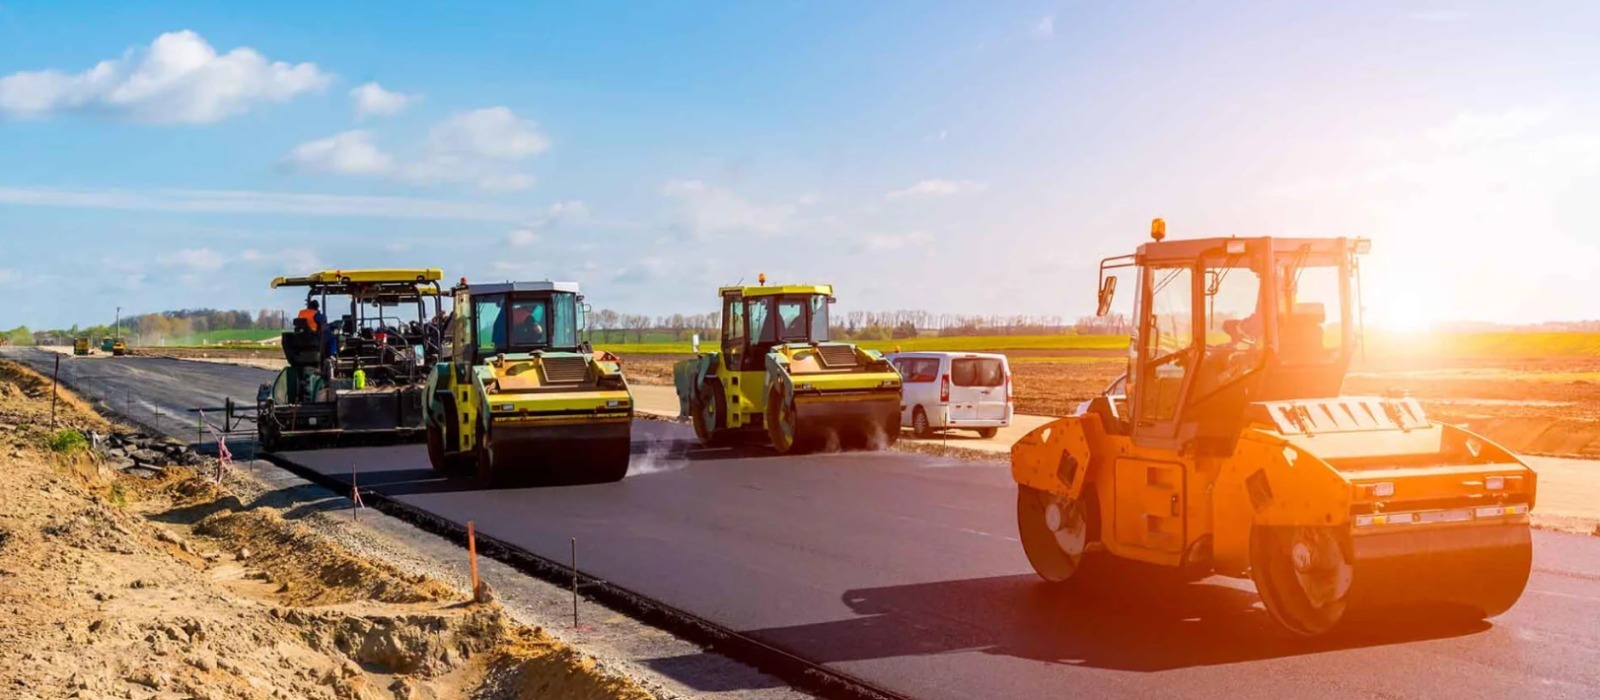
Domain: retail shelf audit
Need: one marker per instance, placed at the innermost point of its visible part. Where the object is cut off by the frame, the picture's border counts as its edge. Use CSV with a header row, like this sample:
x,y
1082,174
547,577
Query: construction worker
x,y
312,317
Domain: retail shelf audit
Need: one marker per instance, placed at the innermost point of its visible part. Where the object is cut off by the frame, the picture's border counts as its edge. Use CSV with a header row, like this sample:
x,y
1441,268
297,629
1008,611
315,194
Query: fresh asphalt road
x,y
904,570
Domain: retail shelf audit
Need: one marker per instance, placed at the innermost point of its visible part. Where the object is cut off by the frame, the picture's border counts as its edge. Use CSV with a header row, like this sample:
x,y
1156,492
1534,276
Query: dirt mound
x,y
308,569
533,665
424,645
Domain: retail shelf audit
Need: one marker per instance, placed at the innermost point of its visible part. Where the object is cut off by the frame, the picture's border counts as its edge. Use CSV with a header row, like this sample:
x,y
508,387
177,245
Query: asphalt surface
x,y
904,570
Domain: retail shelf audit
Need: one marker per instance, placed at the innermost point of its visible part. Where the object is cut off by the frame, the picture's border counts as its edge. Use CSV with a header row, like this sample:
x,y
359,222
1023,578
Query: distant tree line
x,y
157,327
609,326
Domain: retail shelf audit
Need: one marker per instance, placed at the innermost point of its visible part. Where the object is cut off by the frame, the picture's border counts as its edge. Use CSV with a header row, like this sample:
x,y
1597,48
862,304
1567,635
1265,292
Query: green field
x,y
976,343
251,335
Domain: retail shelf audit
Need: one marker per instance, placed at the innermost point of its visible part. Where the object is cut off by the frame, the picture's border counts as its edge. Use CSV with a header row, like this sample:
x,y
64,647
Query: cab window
x,y
488,314
1168,342
819,318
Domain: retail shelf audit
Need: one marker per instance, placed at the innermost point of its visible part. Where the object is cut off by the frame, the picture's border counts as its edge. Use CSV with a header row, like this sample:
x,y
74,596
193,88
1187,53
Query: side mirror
x,y
1108,291
695,341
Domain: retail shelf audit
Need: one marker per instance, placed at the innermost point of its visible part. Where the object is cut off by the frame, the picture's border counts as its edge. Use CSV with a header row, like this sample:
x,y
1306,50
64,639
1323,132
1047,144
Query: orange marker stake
x,y
472,555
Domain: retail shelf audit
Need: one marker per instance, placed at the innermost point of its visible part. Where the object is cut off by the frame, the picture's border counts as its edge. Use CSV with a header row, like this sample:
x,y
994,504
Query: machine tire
x,y
1044,545
988,433
710,419
919,423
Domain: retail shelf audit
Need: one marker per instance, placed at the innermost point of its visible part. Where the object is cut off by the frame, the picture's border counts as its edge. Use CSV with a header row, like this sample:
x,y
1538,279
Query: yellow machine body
x,y
509,408
778,378
1232,453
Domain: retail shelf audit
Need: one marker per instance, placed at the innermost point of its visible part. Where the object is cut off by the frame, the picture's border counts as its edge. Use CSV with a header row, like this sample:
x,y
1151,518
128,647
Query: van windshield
x,y
977,371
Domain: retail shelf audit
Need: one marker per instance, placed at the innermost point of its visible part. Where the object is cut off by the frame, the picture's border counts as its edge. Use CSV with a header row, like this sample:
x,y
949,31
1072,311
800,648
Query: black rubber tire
x,y
919,423
988,433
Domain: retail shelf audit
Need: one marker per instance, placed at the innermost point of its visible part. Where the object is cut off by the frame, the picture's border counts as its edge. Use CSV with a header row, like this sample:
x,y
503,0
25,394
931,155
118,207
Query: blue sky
x,y
971,158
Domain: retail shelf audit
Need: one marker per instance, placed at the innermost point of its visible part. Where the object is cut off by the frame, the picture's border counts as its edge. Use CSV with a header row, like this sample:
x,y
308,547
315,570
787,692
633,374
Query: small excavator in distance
x,y
522,398
1230,450
779,377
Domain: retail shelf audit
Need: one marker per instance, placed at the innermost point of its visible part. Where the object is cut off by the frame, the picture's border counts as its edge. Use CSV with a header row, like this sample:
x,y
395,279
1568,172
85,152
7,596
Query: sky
x,y
975,158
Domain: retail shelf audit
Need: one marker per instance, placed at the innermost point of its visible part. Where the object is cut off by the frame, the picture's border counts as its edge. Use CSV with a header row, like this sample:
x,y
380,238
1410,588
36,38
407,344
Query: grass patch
x,y
1046,360
67,442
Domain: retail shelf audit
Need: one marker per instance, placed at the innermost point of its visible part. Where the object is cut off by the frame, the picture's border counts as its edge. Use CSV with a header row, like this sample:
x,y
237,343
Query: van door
x,y
977,389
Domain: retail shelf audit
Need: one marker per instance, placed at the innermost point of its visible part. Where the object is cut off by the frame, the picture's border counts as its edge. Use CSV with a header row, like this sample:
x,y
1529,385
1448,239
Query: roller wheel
x,y
919,423
1303,575
1054,532
443,462
706,411
485,463
611,465
783,423
890,431
988,433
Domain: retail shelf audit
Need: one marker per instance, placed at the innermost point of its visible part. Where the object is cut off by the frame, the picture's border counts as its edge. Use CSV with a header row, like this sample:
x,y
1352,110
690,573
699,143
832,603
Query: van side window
x,y
916,370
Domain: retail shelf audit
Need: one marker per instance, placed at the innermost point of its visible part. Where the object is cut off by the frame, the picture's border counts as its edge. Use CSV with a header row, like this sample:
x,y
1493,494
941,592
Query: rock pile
x,y
139,451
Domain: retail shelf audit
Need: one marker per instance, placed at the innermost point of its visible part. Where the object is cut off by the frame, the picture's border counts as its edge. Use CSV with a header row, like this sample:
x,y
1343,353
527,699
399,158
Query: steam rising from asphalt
x,y
659,457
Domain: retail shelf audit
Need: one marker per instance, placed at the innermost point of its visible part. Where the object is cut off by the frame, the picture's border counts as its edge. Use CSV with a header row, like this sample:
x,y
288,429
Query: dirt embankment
x,y
167,587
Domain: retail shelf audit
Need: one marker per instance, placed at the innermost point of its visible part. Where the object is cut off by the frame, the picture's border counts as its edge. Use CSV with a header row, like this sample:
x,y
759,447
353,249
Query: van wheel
x,y
919,423
988,433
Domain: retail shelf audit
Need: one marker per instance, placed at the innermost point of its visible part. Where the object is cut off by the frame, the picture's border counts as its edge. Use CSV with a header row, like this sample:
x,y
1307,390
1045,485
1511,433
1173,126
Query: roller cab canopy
x,y
396,282
779,290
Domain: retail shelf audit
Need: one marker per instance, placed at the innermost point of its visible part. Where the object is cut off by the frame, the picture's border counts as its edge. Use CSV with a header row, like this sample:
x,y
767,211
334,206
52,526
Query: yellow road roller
x,y
522,399
779,378
1228,449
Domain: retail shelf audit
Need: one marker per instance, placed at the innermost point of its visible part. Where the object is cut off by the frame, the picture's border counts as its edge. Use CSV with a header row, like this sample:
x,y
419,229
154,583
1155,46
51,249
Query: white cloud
x,y
1438,16
347,153
885,242
179,78
481,147
295,260
1469,128
706,210
494,132
937,188
371,100
507,182
1045,27
254,202
197,259
558,213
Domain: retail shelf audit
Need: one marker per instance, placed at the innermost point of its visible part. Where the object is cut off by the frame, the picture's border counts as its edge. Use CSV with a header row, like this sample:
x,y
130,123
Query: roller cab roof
x,y
476,289
779,290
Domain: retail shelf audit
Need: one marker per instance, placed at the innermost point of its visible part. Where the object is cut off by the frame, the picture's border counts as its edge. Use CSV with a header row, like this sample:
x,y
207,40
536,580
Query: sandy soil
x,y
167,587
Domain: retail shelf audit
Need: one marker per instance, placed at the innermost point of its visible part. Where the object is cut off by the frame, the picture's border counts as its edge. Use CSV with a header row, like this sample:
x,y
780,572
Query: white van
x,y
946,390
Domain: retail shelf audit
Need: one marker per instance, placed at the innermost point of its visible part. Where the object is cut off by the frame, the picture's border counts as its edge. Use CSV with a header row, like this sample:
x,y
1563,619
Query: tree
x,y
19,336
638,323
606,321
